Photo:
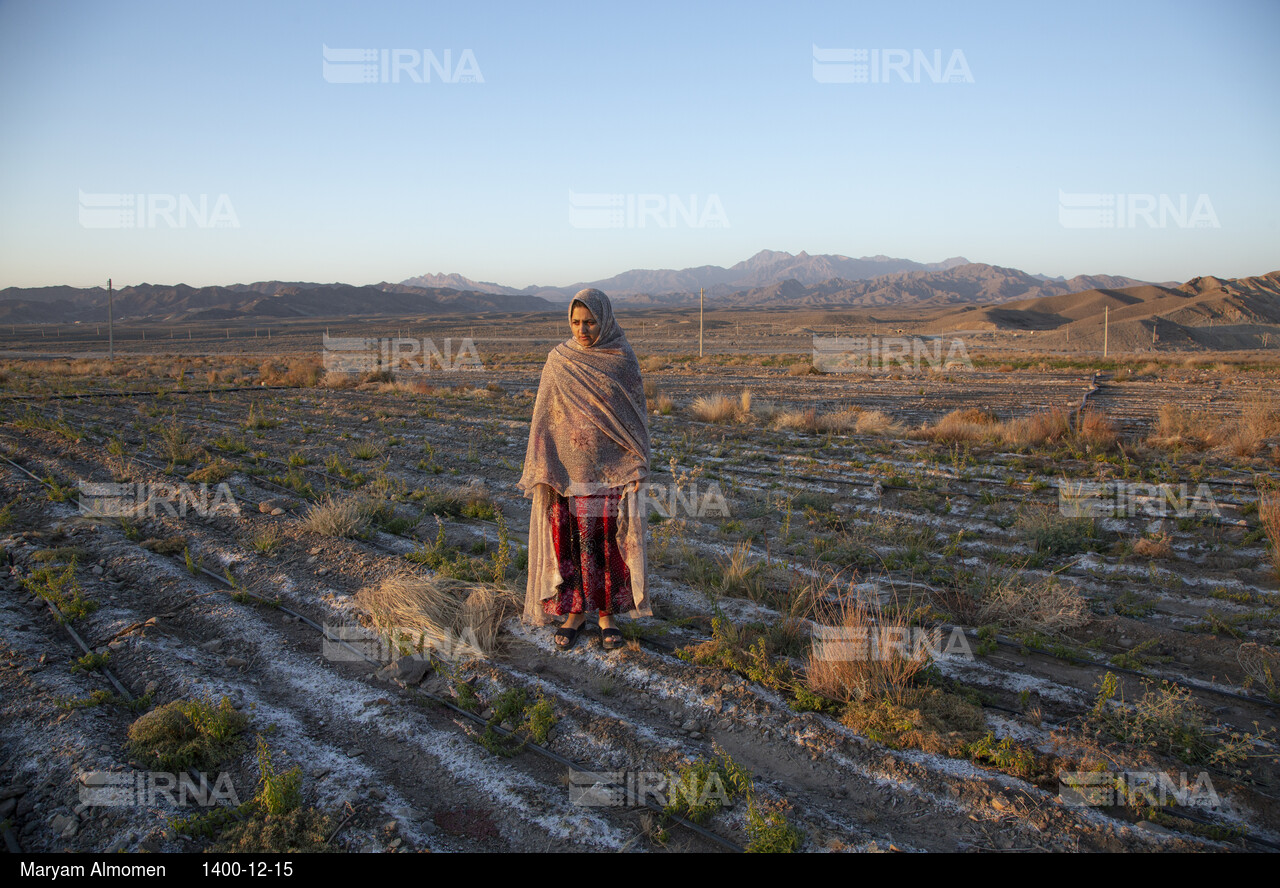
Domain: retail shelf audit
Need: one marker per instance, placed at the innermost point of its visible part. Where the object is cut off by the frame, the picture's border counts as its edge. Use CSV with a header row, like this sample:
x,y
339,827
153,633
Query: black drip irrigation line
x,y
80,396
1174,812
1011,644
504,732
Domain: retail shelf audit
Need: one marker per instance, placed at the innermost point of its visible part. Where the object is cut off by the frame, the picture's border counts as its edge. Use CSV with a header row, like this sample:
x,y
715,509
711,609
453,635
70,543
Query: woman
x,y
587,459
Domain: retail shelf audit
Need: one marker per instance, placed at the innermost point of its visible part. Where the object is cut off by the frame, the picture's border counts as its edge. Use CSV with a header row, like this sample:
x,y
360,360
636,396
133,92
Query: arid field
x,y
1051,578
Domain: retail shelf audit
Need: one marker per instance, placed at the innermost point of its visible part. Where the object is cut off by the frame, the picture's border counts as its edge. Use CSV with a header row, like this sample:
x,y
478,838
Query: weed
x,y
258,420
1006,755
336,518
273,821
187,733
705,786
91,662
99,697
59,492
528,722
59,587
365,451
1140,656
267,540
1055,534
860,652
1167,720
1130,604
214,472
1262,665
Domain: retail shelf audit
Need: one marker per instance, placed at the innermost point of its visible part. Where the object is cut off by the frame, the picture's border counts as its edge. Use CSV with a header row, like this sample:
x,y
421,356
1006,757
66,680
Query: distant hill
x,y
1205,312
182,304
967,283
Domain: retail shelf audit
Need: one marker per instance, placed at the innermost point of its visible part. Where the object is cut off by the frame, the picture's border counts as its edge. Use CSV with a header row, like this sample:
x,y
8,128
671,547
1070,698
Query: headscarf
x,y
589,430
588,435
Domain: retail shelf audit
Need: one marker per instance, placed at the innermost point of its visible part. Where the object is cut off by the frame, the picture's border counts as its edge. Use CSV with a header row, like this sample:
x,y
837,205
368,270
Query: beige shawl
x,y
589,435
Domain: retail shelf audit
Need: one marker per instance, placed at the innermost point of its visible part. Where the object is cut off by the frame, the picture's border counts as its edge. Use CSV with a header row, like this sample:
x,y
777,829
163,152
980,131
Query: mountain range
x,y
764,268
1009,298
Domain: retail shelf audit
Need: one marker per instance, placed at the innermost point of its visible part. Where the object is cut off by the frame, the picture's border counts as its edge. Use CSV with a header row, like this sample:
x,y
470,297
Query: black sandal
x,y
611,639
570,637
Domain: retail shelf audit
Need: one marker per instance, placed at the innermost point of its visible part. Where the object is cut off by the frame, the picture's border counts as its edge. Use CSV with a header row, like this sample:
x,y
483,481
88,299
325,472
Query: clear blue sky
x,y
715,103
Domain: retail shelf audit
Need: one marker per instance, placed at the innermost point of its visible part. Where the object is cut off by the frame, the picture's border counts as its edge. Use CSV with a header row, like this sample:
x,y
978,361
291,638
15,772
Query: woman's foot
x,y
610,635
567,634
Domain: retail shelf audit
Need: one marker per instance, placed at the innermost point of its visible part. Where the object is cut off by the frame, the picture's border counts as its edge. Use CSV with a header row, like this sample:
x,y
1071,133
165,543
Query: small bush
x,y
187,733
337,517
1055,534
715,408
861,653
1269,518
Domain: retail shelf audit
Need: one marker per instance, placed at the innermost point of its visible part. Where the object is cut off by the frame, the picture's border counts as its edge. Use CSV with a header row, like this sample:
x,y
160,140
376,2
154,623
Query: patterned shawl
x,y
589,434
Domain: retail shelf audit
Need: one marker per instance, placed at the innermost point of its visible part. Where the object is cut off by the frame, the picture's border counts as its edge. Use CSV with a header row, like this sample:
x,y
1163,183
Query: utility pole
x,y
1106,328
111,336
700,300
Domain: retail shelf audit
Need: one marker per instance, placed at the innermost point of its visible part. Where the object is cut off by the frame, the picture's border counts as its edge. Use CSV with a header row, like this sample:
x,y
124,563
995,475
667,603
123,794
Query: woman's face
x,y
586,329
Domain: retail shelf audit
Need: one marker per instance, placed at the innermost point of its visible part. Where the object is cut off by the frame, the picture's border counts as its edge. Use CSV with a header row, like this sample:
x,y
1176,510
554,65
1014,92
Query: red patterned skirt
x,y
596,577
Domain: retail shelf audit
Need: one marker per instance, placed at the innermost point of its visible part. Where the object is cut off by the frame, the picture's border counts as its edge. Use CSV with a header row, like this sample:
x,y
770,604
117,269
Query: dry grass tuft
x,y
1094,429
1261,416
297,372
966,424
334,517
1090,428
1176,424
450,617
850,420
875,422
796,420
336,379
1045,605
1047,427
1153,547
722,408
714,408
861,653
1269,518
